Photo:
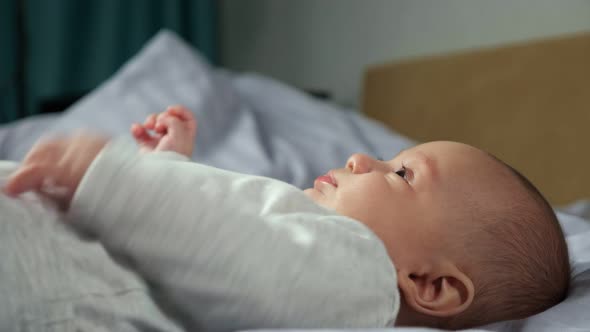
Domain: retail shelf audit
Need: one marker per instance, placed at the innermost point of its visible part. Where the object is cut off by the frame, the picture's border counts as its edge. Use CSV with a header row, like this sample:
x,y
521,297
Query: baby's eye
x,y
402,172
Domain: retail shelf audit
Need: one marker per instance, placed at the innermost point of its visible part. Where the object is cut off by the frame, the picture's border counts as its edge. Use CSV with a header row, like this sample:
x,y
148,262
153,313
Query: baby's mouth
x,y
328,178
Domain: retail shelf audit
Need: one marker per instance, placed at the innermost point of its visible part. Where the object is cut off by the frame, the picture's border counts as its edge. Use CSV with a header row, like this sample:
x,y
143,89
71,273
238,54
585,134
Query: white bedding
x,y
247,123
253,124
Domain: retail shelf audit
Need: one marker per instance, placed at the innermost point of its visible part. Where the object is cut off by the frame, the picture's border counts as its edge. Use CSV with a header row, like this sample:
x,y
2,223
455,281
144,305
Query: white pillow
x,y
247,123
165,72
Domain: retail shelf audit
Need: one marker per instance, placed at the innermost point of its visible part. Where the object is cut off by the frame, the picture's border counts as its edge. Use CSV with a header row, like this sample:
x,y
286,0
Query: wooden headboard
x,y
528,104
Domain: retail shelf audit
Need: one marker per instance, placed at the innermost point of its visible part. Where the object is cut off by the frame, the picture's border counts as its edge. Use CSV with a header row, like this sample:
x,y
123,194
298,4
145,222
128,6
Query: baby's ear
x,y
442,291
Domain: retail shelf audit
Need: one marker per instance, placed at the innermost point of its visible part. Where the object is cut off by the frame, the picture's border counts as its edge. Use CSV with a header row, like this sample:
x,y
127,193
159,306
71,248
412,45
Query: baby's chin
x,y
314,195
309,193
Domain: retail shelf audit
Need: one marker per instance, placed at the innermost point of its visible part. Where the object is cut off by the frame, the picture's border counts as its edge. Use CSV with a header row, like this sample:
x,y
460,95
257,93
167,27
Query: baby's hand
x,y
57,163
172,130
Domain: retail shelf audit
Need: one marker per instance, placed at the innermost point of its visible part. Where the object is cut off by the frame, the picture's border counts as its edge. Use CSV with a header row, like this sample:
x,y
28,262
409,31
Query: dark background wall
x,y
53,51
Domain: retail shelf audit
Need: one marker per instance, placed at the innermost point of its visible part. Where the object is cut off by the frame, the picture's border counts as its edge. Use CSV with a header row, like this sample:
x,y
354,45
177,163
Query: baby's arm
x,y
225,251
172,130
232,252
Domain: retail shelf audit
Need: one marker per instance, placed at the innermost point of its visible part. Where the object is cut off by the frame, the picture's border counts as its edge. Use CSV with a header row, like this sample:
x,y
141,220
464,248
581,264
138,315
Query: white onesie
x,y
226,251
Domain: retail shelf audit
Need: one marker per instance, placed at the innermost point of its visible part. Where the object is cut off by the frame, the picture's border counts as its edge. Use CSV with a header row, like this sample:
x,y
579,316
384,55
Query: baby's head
x,y
472,240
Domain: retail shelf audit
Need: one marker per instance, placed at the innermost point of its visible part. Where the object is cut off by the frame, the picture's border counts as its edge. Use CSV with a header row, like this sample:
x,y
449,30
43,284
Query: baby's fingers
x,y
181,112
185,115
27,178
169,124
150,122
139,132
145,140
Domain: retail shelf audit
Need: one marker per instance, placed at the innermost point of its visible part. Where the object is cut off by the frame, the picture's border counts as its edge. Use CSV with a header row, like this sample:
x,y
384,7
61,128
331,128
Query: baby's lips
x,y
327,178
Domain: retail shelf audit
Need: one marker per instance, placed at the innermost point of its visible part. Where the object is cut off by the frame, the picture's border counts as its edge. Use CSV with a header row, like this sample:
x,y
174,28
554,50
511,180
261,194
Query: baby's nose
x,y
360,163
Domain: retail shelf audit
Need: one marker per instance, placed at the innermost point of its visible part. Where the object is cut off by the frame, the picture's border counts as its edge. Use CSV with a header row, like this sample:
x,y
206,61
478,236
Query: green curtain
x,y
7,61
73,45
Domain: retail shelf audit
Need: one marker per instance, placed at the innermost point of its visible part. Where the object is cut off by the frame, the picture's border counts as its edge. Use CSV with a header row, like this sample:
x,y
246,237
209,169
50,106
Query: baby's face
x,y
412,202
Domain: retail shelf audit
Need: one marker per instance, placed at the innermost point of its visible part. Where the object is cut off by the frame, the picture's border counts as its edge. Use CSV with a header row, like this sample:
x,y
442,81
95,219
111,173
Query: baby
x,y
471,240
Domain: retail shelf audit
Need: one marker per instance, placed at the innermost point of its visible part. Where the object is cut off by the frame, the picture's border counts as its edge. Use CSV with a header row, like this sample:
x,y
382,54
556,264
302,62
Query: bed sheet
x,y
253,124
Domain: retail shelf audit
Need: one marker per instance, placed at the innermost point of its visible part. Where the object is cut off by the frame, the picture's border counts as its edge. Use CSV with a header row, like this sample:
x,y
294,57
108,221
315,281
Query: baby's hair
x,y
522,258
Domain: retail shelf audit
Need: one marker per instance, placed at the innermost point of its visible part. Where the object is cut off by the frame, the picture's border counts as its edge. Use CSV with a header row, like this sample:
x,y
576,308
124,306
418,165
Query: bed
x,y
526,103
253,124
